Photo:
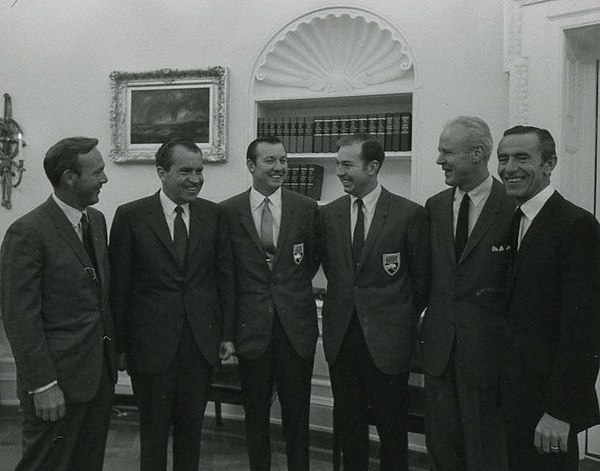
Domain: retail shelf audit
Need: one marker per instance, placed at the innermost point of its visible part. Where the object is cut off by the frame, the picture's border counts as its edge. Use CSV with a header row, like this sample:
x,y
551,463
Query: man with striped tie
x,y
274,233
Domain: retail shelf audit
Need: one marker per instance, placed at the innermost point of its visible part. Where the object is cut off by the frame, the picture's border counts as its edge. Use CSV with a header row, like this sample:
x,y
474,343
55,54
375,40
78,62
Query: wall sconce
x,y
11,143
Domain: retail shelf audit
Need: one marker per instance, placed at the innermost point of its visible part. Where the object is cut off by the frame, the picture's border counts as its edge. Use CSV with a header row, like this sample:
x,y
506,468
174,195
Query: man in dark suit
x,y
464,324
376,259
274,233
553,306
172,297
54,291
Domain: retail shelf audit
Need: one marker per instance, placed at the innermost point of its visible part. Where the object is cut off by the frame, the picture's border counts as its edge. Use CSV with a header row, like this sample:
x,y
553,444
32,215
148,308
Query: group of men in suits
x,y
509,339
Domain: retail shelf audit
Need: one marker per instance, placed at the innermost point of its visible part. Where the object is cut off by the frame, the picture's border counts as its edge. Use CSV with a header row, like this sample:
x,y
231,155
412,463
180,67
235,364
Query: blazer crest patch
x,y
391,263
298,253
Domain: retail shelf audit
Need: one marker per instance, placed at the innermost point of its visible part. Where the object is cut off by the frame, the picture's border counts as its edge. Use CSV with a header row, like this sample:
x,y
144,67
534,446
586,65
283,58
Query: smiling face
x,y
358,177
458,159
183,181
85,185
521,166
269,169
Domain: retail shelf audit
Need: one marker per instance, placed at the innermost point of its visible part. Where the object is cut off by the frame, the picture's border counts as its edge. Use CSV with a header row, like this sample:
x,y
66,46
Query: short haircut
x,y
547,144
251,151
164,155
370,149
479,133
64,155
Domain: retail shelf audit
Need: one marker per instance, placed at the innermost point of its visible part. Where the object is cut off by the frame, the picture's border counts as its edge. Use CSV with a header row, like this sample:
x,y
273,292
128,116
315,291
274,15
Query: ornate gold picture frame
x,y
148,108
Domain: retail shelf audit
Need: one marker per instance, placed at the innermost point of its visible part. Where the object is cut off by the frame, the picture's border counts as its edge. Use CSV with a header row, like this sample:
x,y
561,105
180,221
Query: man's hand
x,y
551,435
227,349
121,362
50,404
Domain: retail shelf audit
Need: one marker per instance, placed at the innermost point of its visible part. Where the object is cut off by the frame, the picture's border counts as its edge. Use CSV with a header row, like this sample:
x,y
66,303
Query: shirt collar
x,y
534,205
73,214
369,200
477,194
169,205
256,198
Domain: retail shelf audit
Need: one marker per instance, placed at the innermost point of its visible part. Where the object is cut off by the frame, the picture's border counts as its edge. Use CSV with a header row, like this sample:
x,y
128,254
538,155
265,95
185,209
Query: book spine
x,y
293,147
284,133
314,181
380,132
317,146
389,129
405,131
302,181
295,177
396,132
307,146
334,134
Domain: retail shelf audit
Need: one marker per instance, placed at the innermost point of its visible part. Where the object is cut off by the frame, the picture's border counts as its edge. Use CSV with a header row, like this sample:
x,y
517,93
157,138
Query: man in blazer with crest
x,y
54,278
172,297
376,259
275,241
552,310
463,328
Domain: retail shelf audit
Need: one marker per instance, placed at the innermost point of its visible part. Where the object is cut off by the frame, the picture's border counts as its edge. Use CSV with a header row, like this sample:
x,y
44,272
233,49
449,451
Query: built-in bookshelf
x,y
310,128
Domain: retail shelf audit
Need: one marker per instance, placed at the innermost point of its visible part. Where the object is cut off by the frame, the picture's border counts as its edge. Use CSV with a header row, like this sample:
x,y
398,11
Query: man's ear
x,y
549,165
251,165
373,167
477,154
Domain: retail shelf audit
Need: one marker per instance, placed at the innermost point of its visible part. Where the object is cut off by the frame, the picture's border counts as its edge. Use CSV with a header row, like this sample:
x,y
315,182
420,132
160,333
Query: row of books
x,y
306,179
320,134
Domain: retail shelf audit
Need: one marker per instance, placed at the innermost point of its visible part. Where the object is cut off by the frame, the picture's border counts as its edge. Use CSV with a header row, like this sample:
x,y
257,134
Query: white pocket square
x,y
500,248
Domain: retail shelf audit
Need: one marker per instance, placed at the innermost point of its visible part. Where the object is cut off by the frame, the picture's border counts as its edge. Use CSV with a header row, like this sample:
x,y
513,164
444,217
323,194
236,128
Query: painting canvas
x,y
149,108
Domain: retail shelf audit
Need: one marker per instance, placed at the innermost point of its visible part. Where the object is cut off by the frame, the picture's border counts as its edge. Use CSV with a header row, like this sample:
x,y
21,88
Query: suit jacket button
x,y
356,288
270,309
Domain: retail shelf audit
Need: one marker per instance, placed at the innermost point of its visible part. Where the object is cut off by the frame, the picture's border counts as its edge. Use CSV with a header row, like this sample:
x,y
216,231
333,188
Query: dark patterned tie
x,y
358,238
266,232
180,237
88,240
462,227
516,227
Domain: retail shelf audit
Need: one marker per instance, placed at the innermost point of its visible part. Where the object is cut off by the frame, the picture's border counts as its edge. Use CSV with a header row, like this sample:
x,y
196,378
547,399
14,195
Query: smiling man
x,y
172,293
54,283
274,233
464,324
553,306
376,259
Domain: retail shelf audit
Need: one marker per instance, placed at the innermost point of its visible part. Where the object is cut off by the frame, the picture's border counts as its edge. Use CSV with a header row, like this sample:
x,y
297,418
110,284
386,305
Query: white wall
x,y
56,57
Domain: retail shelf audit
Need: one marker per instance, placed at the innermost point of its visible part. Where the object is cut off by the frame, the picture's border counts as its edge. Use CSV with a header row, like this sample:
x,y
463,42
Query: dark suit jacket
x,y
553,313
466,303
388,301
54,312
287,287
151,295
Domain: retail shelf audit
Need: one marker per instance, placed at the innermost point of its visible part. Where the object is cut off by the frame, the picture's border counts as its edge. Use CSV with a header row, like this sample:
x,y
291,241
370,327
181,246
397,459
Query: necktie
x,y
266,231
88,241
180,237
358,239
462,227
516,228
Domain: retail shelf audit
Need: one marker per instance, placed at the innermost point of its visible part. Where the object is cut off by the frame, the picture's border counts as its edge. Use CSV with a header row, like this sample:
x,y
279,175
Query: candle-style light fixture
x,y
11,143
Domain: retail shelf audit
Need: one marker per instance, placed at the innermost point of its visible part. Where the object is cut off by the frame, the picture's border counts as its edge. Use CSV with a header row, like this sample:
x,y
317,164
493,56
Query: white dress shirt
x,y
256,207
531,208
477,199
168,207
369,203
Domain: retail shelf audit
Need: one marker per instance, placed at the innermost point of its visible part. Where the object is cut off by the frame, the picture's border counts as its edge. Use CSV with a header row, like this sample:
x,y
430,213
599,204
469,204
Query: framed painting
x,y
149,108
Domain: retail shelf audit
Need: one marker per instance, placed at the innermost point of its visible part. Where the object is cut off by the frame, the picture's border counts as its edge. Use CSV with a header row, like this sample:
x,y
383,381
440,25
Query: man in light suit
x,y
172,297
464,325
553,307
54,278
274,233
376,259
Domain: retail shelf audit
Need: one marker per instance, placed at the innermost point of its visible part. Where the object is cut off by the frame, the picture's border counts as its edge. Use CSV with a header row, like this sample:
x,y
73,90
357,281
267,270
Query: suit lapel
x,y
99,247
343,218
197,221
447,223
248,221
488,216
287,216
534,229
66,231
158,223
379,217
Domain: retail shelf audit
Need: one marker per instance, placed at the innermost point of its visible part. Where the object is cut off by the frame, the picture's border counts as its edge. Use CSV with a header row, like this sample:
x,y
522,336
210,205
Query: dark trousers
x,y
176,397
279,364
465,428
357,384
74,443
523,406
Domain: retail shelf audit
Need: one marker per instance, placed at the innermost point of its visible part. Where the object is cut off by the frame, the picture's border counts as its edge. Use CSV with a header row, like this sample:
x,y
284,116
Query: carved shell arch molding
x,y
335,51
